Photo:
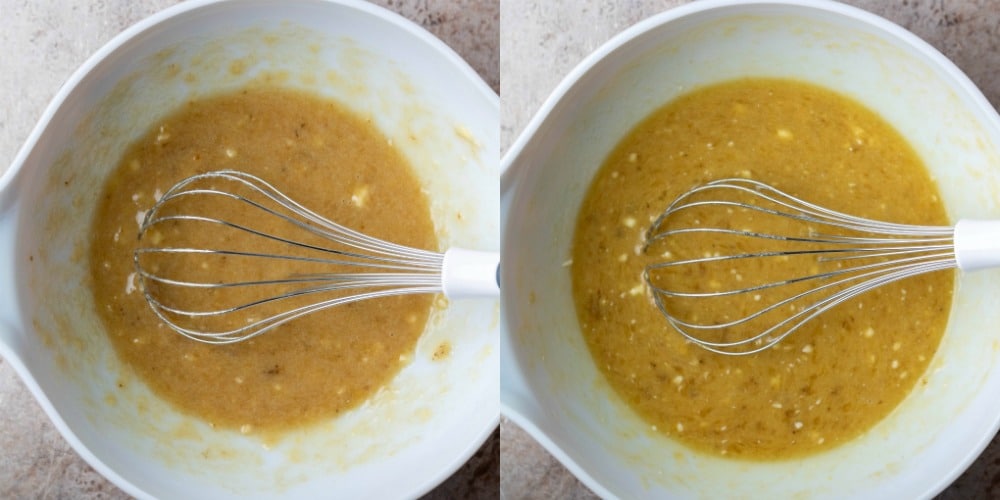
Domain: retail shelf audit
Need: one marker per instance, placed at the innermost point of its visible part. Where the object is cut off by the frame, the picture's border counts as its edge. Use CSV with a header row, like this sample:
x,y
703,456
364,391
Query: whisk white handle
x,y
977,244
470,273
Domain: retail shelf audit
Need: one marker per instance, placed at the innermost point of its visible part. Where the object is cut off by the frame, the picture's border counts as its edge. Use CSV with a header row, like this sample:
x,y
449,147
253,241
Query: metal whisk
x,y
818,258
214,277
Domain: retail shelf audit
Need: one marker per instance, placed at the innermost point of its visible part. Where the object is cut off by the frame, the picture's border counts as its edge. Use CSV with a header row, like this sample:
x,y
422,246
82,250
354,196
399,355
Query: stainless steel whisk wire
x,y
911,250
403,270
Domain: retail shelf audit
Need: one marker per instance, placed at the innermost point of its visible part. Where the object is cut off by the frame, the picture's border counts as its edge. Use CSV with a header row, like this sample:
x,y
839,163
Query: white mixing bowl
x,y
437,111
549,384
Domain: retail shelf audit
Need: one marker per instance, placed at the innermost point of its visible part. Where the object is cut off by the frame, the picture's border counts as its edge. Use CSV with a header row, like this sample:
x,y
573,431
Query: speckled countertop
x,y
542,40
43,42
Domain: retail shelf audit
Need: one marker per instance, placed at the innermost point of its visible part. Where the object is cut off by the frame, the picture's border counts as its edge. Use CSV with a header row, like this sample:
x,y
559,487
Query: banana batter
x,y
327,159
825,384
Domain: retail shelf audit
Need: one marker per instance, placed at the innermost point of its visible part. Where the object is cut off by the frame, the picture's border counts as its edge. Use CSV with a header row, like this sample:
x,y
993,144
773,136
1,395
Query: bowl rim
x,y
8,176
512,171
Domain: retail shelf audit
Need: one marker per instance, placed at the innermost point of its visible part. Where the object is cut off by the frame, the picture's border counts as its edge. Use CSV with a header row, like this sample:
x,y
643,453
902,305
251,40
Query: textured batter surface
x,y
828,382
309,369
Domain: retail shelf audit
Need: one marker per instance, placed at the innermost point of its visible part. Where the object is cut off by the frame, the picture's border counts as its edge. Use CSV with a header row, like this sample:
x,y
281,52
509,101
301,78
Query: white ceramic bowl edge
x,y
550,385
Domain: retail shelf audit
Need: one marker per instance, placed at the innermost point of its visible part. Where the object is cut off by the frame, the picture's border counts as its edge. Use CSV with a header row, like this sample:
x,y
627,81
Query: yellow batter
x,y
825,384
326,158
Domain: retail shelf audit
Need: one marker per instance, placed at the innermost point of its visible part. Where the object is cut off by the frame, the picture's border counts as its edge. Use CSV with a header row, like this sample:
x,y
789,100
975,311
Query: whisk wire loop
x,y
878,252
304,218
360,267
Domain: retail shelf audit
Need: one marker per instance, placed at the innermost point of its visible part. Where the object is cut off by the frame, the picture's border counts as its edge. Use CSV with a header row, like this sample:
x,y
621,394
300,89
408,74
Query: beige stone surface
x,y
43,42
542,40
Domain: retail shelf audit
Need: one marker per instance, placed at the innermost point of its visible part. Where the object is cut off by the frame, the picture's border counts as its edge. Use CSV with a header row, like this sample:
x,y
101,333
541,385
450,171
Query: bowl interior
x,y
419,428
550,383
